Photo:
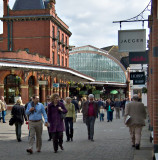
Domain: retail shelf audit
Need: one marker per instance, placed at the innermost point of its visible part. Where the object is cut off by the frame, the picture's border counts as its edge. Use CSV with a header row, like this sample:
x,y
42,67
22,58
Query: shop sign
x,y
62,85
137,77
55,85
43,82
132,40
138,57
139,81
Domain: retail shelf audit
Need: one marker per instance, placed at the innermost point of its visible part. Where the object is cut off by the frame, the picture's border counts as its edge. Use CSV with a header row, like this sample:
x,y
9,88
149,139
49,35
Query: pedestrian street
x,y
111,142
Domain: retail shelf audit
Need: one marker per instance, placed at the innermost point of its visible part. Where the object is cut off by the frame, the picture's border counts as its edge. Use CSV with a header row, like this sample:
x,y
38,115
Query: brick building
x,y
153,73
34,52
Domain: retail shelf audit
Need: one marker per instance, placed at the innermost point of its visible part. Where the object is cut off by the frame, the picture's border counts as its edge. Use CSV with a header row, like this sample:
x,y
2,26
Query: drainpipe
x,y
8,29
11,36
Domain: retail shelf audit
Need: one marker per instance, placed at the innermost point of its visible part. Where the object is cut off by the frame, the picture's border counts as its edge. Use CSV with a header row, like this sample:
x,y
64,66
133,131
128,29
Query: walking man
x,y
117,108
35,110
90,111
137,112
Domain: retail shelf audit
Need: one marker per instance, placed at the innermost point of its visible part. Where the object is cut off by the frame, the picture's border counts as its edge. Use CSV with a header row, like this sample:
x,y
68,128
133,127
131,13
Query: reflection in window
x,y
11,88
98,66
31,83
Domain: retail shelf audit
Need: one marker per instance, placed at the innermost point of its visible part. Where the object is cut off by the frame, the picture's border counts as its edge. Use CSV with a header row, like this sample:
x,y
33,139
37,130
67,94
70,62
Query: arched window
x,y
11,88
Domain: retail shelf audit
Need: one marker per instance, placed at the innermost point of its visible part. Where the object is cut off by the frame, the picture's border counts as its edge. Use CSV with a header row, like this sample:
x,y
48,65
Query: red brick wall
x,y
154,85
24,56
34,35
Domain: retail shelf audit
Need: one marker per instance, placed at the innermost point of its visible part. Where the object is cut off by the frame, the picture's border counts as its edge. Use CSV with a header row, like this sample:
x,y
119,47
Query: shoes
x,y
4,122
108,121
49,139
61,147
19,140
71,139
137,146
133,145
92,140
67,140
55,151
38,151
29,151
88,137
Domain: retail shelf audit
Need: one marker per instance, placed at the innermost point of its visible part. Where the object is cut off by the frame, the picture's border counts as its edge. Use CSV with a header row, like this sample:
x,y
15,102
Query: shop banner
x,y
138,78
138,57
55,85
132,40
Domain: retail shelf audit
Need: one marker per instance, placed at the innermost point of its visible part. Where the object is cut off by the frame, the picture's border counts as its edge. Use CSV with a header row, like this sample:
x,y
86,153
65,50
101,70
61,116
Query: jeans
x,y
110,115
18,130
0,116
101,116
69,127
90,126
3,116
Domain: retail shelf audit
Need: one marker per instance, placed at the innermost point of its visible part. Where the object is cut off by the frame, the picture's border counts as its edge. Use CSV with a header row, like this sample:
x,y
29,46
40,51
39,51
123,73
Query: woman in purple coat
x,y
55,108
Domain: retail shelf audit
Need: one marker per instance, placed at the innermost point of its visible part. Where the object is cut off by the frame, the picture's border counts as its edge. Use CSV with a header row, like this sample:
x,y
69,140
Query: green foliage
x,y
144,90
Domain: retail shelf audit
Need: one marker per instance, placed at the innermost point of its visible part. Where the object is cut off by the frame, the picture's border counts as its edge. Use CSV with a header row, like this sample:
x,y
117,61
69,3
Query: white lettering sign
x,y
43,82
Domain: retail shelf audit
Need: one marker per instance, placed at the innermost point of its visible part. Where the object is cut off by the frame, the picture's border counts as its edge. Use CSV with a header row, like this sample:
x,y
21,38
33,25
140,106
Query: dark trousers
x,y
69,127
57,139
110,115
18,130
90,126
50,134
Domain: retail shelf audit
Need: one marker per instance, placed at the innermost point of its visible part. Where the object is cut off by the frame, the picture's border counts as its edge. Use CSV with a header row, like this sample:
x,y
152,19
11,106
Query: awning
x,y
114,92
46,69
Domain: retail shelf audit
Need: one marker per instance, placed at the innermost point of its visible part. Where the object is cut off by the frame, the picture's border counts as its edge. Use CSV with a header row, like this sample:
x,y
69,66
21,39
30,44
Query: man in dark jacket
x,y
75,102
18,112
90,111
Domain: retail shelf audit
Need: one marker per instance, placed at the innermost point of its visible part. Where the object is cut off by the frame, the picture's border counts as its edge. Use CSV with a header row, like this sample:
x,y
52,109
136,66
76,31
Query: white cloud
x,y
90,21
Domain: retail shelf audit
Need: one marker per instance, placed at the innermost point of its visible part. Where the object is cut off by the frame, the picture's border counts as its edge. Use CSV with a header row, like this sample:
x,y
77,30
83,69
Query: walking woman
x,y
70,118
110,109
18,112
55,109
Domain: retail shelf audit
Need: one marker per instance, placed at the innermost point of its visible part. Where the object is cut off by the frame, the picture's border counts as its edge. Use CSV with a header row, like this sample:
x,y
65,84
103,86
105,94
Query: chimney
x,y
52,5
5,7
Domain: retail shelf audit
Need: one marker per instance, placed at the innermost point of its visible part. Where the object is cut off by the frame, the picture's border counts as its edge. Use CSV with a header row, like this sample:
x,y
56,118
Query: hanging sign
x,y
132,40
43,82
139,81
138,57
55,85
137,77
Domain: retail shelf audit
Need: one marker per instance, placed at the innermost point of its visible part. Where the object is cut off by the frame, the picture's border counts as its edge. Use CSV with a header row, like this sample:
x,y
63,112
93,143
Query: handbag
x,y
12,121
62,115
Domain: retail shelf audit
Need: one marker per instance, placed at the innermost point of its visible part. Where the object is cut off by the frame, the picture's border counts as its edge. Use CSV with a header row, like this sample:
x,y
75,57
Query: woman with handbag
x,y
55,120
18,113
69,119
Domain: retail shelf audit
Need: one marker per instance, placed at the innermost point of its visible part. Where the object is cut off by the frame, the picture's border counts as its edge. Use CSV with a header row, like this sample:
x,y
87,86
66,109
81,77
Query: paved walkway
x,y
112,142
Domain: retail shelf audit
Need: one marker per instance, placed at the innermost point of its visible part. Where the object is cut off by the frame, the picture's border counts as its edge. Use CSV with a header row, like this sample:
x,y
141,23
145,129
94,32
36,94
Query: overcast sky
x,y
90,21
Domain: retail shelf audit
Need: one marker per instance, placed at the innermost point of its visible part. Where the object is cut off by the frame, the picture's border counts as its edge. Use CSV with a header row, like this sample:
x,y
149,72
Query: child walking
x,y
102,112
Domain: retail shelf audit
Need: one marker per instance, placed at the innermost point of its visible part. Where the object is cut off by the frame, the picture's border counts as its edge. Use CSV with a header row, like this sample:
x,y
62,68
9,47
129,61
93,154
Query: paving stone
x,y
112,142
